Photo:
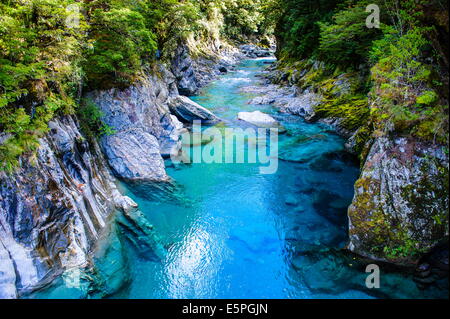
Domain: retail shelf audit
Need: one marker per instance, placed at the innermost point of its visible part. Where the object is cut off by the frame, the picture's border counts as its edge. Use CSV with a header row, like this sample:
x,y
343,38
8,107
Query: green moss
x,y
428,199
352,109
91,120
427,98
362,137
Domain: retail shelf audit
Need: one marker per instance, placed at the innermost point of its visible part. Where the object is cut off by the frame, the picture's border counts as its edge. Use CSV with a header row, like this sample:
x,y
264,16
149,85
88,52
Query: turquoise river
x,y
228,231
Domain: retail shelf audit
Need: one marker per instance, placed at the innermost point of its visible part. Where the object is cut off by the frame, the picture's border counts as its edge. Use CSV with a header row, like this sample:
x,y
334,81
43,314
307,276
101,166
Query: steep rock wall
x,y
192,72
53,210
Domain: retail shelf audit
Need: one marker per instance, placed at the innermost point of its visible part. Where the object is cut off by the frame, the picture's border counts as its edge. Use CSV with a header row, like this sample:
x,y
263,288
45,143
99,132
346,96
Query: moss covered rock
x,y
400,208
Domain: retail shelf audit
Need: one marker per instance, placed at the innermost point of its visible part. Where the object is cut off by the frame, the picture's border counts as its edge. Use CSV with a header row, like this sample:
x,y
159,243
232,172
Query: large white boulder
x,y
258,118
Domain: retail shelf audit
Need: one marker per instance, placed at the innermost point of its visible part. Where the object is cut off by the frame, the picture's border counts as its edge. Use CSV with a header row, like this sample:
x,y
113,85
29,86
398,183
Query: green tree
x,y
347,41
120,47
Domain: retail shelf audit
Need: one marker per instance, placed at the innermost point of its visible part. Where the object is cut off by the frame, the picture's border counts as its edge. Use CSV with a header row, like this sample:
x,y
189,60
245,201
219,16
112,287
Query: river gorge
x,y
187,149
228,231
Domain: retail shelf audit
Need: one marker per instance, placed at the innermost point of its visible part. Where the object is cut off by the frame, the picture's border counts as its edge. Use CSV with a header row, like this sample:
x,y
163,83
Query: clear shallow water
x,y
226,231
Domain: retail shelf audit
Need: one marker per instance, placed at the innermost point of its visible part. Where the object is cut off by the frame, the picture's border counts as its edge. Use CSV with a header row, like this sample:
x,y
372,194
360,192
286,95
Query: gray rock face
x,y
52,212
286,99
7,275
400,208
184,71
253,51
135,155
145,130
302,105
188,111
192,74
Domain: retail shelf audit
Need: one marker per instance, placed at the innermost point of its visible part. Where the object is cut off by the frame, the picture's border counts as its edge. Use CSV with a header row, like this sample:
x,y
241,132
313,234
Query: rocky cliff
x,y
53,209
400,209
144,128
193,70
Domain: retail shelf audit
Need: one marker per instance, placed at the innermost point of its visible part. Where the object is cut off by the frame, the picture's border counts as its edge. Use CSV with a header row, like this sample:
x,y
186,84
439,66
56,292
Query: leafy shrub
x,y
91,120
39,72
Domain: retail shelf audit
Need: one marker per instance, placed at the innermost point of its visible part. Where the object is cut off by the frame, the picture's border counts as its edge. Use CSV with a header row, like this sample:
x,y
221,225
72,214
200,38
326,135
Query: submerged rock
x,y
291,200
139,232
258,118
111,269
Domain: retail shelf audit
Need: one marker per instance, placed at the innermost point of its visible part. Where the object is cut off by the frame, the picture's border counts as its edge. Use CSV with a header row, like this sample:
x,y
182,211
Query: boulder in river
x,y
188,111
254,51
258,118
400,208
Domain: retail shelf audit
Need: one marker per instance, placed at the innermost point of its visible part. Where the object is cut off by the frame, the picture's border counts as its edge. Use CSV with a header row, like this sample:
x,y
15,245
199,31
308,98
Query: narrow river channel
x,y
232,232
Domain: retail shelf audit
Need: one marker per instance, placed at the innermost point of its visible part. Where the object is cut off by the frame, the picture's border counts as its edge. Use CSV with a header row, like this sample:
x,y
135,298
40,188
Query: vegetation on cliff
x,y
51,50
387,83
402,66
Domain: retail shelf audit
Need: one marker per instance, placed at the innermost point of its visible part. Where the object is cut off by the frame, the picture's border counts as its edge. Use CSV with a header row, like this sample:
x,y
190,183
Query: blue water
x,y
227,231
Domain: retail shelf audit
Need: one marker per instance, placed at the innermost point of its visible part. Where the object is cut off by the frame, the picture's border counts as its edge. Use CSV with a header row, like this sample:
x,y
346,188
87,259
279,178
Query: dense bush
x,y
298,29
121,46
39,71
91,120
347,41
